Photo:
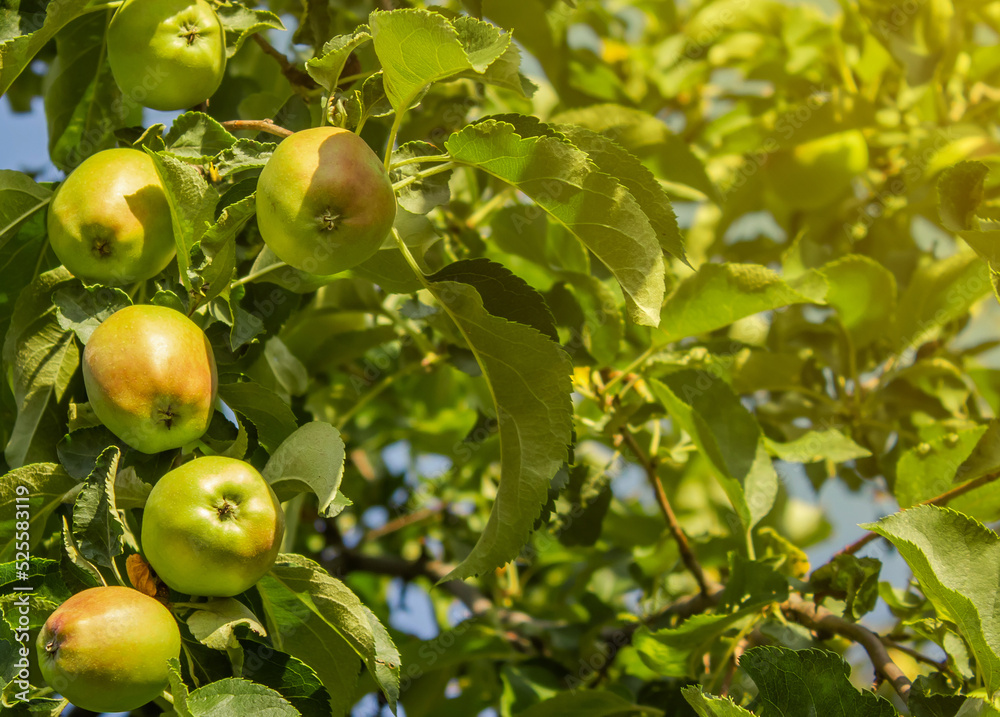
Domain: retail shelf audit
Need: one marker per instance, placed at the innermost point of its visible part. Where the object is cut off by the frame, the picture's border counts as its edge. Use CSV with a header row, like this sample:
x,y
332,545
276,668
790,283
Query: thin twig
x,y
820,619
405,521
687,554
942,499
471,596
296,76
264,125
940,665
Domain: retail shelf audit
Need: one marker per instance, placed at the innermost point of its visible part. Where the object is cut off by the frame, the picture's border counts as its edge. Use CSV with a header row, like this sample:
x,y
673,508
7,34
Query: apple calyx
x,y
190,32
102,247
167,416
330,220
227,511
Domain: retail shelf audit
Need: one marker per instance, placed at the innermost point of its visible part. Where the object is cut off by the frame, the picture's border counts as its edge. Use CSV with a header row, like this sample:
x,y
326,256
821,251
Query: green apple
x,y
817,173
109,222
106,649
167,54
212,527
324,201
151,378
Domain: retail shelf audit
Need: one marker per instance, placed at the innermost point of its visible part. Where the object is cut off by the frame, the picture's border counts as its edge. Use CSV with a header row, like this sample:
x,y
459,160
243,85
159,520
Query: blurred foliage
x,y
827,319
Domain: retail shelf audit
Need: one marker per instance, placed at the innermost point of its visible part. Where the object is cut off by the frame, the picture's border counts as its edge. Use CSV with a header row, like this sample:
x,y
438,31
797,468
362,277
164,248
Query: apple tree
x,y
501,358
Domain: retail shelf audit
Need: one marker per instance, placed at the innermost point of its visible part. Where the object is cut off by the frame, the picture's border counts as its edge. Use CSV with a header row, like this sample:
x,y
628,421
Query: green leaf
x,y
213,257
43,358
594,207
417,48
752,583
235,697
79,449
327,67
851,579
929,469
195,135
923,703
528,376
301,631
38,572
709,706
81,309
940,291
263,408
178,690
239,22
23,251
243,325
83,105
192,203
961,192
793,683
672,652
243,155
20,198
387,662
151,137
73,565
338,607
225,439
97,527
956,560
495,59
484,43
503,293
270,269
371,97
727,434
26,34
310,459
130,491
612,159
46,486
215,621
783,554
601,326
290,677
814,446
864,294
290,373
719,294
587,703
589,495
667,154
389,270
424,194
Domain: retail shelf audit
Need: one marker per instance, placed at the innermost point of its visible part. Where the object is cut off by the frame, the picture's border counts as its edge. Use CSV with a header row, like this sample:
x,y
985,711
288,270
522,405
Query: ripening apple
x,y
151,378
109,222
212,527
817,173
324,201
106,649
167,54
